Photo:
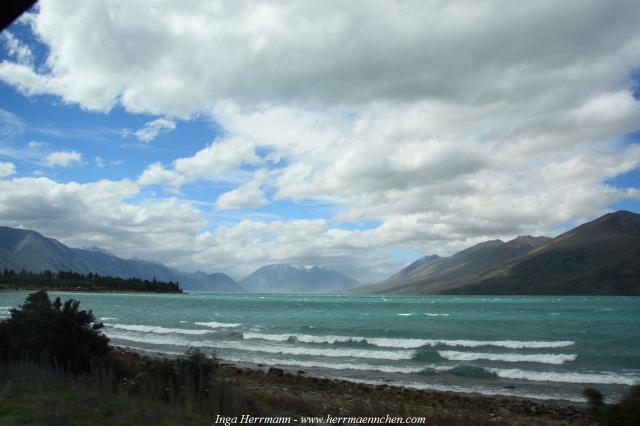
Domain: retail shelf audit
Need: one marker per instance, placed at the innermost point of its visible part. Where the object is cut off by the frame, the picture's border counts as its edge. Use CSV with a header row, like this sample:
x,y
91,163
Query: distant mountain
x,y
297,279
24,249
600,257
30,250
217,281
432,274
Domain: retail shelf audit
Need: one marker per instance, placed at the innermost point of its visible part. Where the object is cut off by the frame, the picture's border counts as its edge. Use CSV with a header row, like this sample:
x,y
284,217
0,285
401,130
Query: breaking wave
x,y
386,342
156,330
213,324
567,377
539,358
331,353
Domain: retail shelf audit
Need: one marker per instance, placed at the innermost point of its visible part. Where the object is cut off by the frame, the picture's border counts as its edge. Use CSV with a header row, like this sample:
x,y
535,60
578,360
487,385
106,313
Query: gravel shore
x,y
295,393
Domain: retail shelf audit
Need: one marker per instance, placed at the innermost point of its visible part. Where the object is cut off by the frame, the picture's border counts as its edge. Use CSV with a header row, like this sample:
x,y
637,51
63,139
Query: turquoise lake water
x,y
540,347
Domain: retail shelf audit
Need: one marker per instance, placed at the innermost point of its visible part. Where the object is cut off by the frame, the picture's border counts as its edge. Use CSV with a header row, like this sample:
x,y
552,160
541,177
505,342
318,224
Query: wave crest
x,y
407,343
558,377
156,329
214,324
508,357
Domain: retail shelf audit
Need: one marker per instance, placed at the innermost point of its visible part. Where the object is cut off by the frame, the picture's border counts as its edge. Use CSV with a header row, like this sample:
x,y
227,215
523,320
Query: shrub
x,y
58,334
594,398
625,412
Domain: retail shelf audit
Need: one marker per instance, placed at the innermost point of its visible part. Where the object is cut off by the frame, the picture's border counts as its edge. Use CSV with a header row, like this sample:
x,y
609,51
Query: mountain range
x,y
598,257
32,251
282,278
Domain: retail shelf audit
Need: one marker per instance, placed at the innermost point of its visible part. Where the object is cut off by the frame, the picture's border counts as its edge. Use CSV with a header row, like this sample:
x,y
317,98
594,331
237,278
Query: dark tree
x,y
55,333
67,280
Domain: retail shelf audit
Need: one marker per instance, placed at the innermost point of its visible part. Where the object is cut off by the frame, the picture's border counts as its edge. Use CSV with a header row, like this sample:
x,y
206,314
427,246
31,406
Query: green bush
x,y
57,334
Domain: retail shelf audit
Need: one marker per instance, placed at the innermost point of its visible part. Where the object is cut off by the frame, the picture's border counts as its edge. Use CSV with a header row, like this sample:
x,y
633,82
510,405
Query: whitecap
x,y
567,377
333,365
149,339
265,336
406,343
508,357
213,324
156,329
512,344
331,353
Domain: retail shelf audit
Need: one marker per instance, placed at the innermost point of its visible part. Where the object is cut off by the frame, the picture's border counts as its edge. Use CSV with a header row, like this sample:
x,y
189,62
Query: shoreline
x,y
53,290
287,386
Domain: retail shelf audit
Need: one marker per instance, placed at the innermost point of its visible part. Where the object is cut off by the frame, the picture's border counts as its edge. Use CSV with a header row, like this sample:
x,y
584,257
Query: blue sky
x,y
224,139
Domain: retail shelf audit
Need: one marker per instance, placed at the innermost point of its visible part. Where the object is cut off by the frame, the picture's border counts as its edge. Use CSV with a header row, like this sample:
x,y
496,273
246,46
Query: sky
x,y
360,136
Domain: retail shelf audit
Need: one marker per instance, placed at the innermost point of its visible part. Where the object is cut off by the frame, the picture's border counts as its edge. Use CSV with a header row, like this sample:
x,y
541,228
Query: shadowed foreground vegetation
x,y
73,281
57,368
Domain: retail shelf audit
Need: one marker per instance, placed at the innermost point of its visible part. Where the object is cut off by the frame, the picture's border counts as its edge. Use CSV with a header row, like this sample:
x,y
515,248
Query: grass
x,y
29,395
132,389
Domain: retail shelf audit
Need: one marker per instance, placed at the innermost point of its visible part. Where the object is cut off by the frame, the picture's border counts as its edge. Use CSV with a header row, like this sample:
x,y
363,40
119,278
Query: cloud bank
x,y
443,123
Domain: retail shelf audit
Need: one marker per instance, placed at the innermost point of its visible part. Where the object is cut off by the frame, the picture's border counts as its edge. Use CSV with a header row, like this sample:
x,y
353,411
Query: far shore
x,y
79,290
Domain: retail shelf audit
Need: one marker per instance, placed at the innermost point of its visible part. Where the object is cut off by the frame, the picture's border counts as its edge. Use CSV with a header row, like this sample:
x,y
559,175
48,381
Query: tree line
x,y
75,281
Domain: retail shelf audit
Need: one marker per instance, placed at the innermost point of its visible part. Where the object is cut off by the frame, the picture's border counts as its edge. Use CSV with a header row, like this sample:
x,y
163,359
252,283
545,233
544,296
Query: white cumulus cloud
x,y
7,169
152,129
442,123
63,158
246,196
17,49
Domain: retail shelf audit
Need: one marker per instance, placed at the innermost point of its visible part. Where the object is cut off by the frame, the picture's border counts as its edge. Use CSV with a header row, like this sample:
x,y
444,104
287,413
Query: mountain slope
x,y
34,252
30,250
598,257
293,279
432,274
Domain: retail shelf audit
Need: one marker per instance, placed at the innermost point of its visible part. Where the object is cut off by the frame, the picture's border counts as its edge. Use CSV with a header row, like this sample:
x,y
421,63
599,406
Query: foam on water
x,y
566,377
156,330
304,338
406,315
150,338
386,342
108,319
263,336
512,344
508,357
505,373
285,350
213,324
332,365
331,353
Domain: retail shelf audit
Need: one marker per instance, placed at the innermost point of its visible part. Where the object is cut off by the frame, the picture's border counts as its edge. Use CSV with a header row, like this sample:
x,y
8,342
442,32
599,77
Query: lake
x,y
536,347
